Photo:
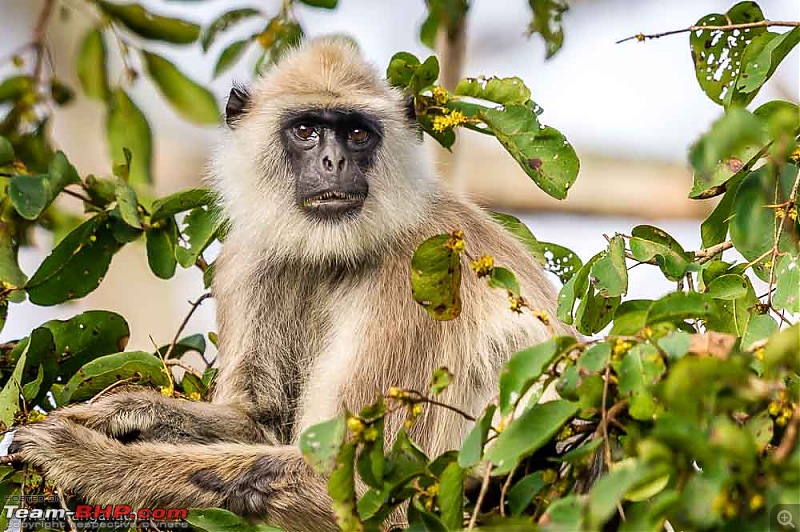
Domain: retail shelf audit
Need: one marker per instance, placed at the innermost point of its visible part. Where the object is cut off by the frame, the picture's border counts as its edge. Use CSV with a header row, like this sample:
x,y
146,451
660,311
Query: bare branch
x,y
641,37
184,322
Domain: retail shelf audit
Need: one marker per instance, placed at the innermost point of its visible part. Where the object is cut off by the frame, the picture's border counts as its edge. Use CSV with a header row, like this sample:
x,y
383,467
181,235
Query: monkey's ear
x,y
238,103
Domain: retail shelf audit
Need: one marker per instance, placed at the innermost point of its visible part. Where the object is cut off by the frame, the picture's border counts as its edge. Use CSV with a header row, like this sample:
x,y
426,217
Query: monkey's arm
x,y
264,481
137,413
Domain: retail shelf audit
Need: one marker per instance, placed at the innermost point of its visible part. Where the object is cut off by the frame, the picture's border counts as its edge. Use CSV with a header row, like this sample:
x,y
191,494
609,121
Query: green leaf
x,y
609,273
31,389
436,276
759,327
542,152
639,369
521,494
547,23
128,129
787,280
726,149
9,395
752,226
759,67
728,286
675,344
128,204
203,225
565,514
679,306
595,358
649,243
230,55
184,200
77,264
32,194
138,366
528,432
11,275
225,22
717,54
595,312
782,349
13,88
219,520
611,488
91,65
342,489
472,449
6,152
193,102
525,367
441,379
322,443
451,496
499,90
193,342
631,317
29,194
151,26
505,279
87,336
406,71
161,241
714,229
325,4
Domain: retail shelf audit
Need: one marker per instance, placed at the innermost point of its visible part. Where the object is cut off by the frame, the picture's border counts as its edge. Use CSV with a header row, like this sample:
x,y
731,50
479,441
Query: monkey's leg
x,y
267,482
139,414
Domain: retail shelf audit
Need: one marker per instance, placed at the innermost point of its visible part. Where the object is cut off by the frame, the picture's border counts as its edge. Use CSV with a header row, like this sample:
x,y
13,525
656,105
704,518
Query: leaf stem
x,y
184,323
481,495
641,37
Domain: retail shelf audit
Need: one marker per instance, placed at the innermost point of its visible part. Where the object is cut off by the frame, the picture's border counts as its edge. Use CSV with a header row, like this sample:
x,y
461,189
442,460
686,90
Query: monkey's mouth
x,y
333,203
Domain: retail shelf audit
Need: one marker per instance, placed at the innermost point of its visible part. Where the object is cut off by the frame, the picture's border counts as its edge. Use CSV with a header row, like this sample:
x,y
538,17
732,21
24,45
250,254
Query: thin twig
x,y
184,322
484,488
423,398
604,416
641,37
504,490
181,364
74,194
63,504
39,31
111,387
779,232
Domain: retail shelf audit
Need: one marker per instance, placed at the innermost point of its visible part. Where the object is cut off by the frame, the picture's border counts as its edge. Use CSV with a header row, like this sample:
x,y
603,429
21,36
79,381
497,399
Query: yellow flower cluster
x,y
541,315
440,95
448,120
360,430
620,347
483,266
515,303
456,242
781,409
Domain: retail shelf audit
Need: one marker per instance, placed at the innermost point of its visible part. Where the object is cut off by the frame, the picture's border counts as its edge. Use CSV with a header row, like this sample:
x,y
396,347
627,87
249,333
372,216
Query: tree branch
x,y
704,255
184,322
641,37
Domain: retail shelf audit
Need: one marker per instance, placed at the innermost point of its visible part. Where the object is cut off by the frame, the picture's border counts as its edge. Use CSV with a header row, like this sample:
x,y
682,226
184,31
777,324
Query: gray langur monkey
x,y
323,177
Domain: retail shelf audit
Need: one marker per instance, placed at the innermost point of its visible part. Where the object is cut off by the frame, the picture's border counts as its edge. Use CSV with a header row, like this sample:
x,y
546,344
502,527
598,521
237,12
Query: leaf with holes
x,y
499,90
717,54
547,23
436,276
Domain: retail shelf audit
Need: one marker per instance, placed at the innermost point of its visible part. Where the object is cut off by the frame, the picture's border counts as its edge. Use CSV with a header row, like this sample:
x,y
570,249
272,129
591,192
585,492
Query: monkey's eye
x,y
304,132
358,136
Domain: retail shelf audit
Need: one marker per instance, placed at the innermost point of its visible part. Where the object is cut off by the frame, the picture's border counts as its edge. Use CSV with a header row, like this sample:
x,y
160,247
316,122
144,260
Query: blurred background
x,y
631,111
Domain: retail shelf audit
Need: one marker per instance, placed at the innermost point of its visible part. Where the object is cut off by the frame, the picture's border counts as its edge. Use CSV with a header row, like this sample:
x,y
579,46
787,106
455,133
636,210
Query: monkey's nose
x,y
329,166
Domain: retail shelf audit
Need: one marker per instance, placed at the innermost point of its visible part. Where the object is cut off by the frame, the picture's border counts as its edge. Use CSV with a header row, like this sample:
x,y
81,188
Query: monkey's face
x,y
321,159
331,152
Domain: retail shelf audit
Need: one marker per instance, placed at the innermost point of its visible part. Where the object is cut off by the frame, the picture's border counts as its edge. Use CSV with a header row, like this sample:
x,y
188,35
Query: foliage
x,y
686,405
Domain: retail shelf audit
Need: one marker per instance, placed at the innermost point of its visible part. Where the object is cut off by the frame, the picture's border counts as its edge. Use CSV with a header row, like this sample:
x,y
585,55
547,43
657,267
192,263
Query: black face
x,y
331,152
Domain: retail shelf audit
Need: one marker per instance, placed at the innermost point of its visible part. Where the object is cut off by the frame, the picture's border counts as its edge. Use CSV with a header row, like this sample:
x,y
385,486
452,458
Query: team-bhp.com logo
x,y
89,517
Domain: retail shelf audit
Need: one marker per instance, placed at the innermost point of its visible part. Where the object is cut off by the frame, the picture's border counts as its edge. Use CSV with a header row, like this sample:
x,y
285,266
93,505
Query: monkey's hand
x,y
141,414
265,481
